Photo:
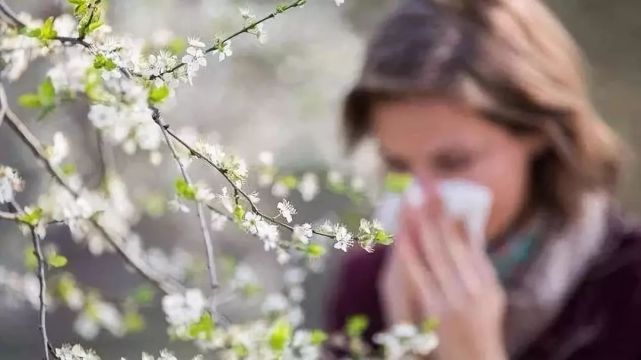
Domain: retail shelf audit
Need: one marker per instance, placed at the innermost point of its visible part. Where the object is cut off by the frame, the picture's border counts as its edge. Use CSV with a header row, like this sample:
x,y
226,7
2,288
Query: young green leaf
x,y
47,93
203,329
318,337
47,32
280,335
31,216
315,251
158,94
397,182
56,260
29,100
356,325
185,190
103,62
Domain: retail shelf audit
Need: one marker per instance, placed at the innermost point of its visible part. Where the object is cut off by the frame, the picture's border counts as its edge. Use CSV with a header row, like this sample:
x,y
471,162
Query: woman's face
x,y
436,140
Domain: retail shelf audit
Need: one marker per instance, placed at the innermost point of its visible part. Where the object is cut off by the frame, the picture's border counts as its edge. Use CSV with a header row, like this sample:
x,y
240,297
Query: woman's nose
x,y
425,179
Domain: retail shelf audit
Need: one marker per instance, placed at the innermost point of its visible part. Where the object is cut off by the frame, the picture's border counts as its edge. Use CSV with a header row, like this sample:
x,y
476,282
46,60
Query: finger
x,y
396,290
406,308
431,244
485,267
459,254
422,281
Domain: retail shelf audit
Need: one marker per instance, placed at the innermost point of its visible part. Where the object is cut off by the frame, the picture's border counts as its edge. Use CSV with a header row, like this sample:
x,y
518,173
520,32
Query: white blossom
x,y
217,221
286,209
195,57
357,184
223,50
75,352
405,341
177,205
226,199
275,303
59,150
308,186
280,189
183,309
302,233
10,183
343,238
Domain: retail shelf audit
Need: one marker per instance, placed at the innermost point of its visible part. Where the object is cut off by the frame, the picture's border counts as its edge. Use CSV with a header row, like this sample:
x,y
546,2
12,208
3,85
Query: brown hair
x,y
514,63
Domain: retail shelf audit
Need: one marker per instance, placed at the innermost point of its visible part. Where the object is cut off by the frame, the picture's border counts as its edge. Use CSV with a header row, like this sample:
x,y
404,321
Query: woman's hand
x,y
434,272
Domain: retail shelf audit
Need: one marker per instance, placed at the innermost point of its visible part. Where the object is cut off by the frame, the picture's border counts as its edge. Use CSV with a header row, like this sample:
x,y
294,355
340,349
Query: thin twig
x,y
246,29
163,283
237,189
4,215
7,12
204,228
43,290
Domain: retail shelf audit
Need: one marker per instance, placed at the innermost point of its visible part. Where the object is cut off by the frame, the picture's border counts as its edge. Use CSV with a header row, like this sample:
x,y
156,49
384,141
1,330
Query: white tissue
x,y
464,201
468,202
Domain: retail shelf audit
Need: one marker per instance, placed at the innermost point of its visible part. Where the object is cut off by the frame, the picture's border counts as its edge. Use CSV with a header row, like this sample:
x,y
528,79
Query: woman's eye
x,y
451,163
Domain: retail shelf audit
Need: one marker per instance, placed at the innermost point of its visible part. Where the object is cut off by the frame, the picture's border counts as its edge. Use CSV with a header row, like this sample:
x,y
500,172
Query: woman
x,y
492,91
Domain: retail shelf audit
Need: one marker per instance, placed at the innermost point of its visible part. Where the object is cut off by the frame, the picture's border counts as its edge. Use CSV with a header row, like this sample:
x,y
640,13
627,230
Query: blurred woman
x,y
493,92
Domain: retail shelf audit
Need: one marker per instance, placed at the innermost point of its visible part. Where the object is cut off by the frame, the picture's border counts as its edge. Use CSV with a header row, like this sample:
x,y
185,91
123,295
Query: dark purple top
x,y
601,320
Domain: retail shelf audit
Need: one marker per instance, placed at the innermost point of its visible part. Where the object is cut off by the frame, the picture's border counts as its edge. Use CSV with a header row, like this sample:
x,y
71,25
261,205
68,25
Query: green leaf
x,y
103,62
356,325
68,169
239,213
185,190
66,286
158,94
143,295
134,322
76,2
290,181
29,100
318,337
315,250
397,182
93,82
31,217
177,45
203,329
384,238
34,33
251,290
240,351
47,32
56,260
93,26
280,335
47,93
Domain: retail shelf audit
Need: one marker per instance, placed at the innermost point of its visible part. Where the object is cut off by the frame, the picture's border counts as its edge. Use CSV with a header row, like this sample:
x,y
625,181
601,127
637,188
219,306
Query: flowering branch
x,y
38,150
43,290
221,43
209,248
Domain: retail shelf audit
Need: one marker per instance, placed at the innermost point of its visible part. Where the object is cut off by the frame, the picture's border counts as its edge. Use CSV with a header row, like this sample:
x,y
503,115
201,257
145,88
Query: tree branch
x,y
8,13
43,290
204,228
163,283
246,29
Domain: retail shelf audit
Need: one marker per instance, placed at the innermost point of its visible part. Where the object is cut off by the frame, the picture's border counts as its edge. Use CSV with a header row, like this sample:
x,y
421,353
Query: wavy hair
x,y
514,63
